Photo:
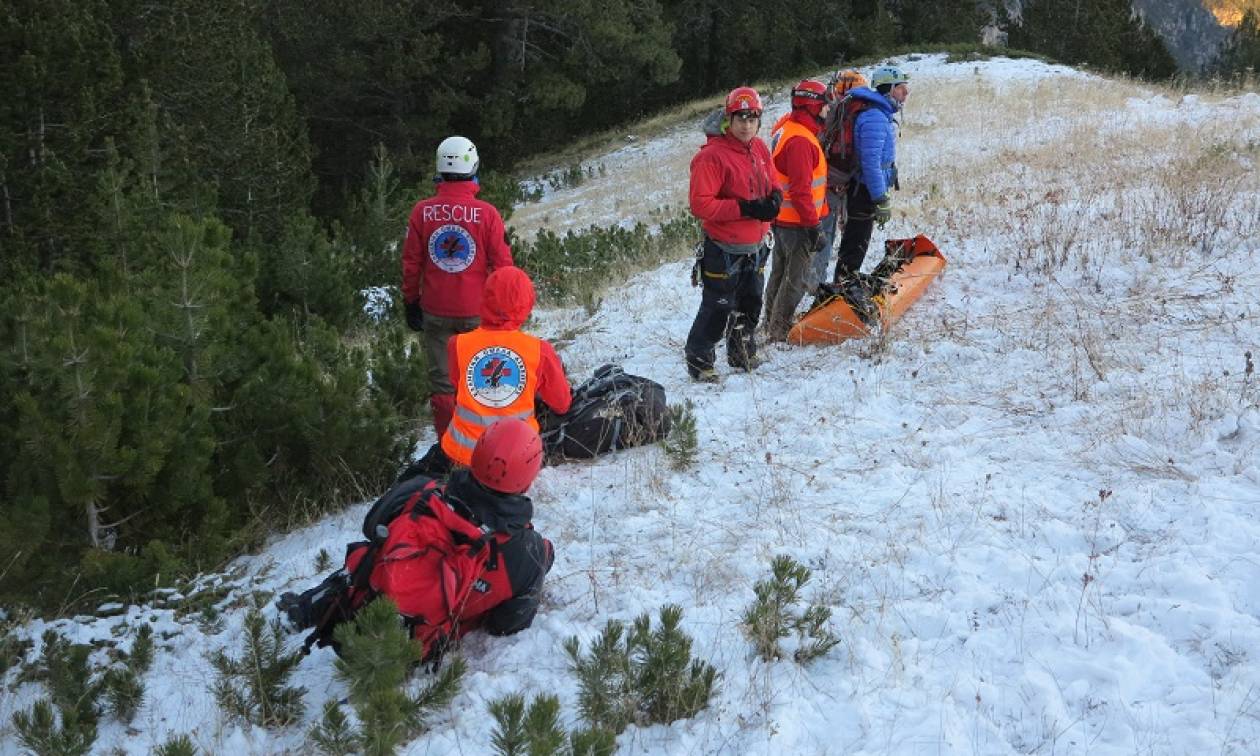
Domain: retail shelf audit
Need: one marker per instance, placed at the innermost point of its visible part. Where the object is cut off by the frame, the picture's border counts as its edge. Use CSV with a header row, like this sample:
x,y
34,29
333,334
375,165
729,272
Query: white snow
x,y
950,486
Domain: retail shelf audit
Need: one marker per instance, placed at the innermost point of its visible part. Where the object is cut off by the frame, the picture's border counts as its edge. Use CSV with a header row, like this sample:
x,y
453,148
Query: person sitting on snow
x,y
485,503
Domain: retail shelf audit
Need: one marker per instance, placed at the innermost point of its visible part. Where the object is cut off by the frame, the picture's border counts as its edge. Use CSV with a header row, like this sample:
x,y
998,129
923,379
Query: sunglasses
x,y
746,115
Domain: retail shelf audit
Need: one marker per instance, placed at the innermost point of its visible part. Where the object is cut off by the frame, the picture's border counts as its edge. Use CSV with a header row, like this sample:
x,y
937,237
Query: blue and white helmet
x,y
888,75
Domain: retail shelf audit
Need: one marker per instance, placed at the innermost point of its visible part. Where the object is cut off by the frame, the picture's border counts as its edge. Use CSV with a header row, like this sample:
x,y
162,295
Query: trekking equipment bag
x,y
613,410
837,140
427,553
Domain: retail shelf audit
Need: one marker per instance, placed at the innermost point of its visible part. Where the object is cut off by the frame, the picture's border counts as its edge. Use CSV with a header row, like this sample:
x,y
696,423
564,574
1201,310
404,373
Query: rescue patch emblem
x,y
495,376
452,248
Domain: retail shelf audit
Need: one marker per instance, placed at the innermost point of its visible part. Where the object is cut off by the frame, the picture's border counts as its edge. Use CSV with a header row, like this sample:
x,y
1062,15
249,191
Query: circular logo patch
x,y
452,248
495,376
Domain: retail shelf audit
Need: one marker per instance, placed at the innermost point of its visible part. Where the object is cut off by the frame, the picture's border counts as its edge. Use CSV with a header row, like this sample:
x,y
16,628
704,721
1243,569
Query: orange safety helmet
x,y
743,98
508,456
849,78
809,94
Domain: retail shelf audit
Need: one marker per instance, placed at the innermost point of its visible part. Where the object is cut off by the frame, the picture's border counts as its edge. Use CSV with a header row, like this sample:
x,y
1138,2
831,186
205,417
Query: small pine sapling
x,y
333,735
124,687
774,615
63,668
671,685
252,687
39,731
537,731
323,561
592,741
509,738
377,655
644,676
179,745
124,692
682,441
12,651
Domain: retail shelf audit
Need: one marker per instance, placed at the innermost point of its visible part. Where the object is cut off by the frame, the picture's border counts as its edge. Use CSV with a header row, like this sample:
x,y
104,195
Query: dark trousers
x,y
730,305
857,231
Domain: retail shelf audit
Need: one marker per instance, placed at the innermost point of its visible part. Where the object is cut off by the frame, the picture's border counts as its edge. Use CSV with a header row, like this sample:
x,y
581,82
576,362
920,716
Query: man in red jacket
x,y
733,195
801,172
454,241
498,370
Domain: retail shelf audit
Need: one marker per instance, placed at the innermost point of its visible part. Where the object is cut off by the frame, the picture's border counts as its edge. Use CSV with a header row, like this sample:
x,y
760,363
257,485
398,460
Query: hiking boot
x,y
708,375
748,365
295,612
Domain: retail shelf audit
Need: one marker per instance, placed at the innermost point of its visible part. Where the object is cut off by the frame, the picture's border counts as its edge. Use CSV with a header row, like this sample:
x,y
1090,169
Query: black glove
x,y
763,208
816,239
415,316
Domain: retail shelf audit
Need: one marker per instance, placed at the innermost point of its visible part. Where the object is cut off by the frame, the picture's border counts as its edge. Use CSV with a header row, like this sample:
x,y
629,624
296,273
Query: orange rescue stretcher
x,y
909,265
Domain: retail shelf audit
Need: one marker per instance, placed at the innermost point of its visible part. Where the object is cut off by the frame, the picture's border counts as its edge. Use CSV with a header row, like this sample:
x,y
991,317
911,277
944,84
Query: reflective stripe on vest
x,y
789,129
498,377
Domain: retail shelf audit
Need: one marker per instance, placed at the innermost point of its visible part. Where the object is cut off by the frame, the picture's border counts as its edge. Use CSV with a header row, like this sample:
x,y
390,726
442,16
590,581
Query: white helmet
x,y
457,156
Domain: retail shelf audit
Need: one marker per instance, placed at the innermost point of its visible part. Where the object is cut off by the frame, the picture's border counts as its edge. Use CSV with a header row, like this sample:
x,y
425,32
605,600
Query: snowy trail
x,y
950,487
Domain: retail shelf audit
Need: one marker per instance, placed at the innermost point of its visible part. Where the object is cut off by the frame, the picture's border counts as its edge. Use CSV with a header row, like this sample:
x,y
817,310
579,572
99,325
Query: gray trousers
x,y
793,256
830,227
437,331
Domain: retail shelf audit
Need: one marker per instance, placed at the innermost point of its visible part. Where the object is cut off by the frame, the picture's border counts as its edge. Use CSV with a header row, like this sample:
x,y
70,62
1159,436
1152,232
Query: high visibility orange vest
x,y
789,129
498,379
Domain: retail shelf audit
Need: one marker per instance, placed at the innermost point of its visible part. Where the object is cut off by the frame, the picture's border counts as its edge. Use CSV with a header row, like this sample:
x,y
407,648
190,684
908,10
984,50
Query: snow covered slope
x,y
1034,507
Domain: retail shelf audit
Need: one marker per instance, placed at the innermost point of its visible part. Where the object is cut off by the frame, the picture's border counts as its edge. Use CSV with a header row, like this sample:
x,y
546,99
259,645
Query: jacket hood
x,y
464,188
507,299
875,98
712,125
505,513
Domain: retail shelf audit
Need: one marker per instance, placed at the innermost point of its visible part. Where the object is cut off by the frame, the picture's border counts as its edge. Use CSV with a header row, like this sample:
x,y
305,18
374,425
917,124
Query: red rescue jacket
x,y
724,171
454,241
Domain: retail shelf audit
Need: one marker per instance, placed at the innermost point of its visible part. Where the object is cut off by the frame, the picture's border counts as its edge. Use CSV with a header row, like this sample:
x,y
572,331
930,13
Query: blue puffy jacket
x,y
875,142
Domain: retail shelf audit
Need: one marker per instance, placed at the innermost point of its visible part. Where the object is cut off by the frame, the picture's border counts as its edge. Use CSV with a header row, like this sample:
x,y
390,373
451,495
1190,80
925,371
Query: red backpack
x,y
837,140
433,559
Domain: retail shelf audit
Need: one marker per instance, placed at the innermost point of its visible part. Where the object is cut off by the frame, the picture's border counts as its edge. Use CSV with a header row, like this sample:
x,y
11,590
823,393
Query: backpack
x,y
837,139
612,410
426,552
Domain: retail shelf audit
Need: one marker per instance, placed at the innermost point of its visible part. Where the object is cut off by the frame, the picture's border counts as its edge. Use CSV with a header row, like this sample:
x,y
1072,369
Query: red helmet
x,y
508,456
743,98
809,94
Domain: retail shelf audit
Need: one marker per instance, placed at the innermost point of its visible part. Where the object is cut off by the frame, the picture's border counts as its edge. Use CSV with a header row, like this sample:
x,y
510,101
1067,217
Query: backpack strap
x,y
358,580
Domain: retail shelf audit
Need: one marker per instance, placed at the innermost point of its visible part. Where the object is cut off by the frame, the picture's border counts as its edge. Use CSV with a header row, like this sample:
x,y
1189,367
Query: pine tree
x,y
537,731
774,615
60,76
641,676
682,441
377,655
252,687
1106,34
1240,54
179,745
226,105
72,695
333,735
920,21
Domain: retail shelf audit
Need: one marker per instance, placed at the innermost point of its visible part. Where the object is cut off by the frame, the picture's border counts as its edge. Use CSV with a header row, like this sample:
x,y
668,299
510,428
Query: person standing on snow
x,y
732,193
498,370
801,171
875,145
454,241
837,176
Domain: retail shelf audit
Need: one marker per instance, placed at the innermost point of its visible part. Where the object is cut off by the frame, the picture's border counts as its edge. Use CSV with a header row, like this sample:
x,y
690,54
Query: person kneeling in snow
x,y
453,557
